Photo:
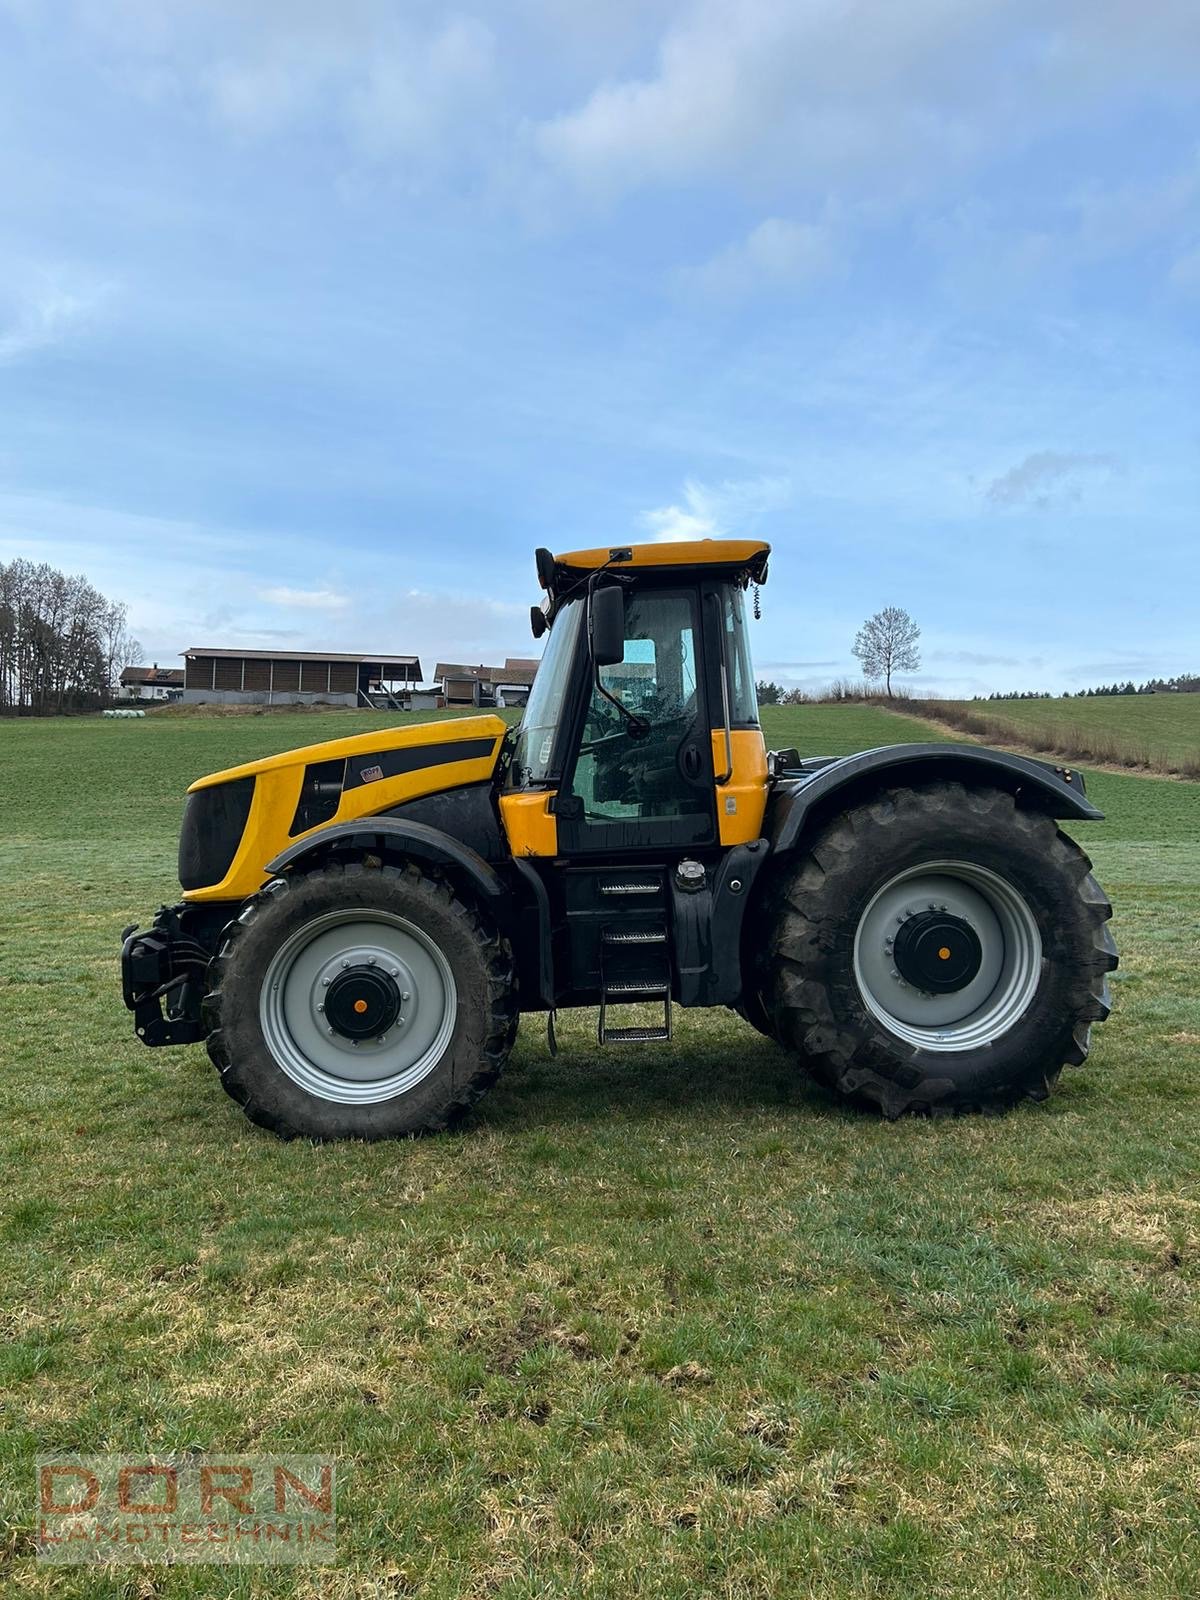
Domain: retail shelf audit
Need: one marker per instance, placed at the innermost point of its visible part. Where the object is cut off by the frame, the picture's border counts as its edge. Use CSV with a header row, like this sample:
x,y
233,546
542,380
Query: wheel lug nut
x,y
321,1006
325,983
370,961
406,995
395,972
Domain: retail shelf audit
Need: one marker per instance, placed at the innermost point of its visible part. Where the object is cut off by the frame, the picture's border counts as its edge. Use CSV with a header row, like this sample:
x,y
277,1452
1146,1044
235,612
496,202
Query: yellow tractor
x,y
364,921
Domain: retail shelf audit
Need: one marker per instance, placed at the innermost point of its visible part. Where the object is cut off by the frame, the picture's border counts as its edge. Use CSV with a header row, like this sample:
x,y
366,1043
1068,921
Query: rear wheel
x,y
356,1002
940,949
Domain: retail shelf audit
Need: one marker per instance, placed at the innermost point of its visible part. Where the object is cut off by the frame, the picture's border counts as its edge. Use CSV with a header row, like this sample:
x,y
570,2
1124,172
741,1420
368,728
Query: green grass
x,y
1160,731
665,1322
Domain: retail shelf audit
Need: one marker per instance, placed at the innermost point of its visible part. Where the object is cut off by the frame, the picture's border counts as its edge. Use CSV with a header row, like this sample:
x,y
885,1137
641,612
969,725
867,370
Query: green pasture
x,y
657,1322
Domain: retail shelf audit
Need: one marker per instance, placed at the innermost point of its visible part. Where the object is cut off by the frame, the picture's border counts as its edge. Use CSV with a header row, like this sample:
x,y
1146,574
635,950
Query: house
x,y
150,683
298,677
508,685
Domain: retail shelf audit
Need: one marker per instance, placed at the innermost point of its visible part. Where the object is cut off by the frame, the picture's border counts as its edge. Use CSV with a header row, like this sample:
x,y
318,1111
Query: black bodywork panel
x,y
413,758
213,822
468,814
708,927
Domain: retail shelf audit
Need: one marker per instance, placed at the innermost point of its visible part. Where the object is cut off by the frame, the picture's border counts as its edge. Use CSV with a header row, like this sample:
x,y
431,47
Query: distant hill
x,y
1158,732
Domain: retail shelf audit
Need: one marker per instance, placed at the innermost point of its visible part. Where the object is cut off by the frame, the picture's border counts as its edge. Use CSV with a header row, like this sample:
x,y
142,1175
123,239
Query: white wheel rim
x,y
1010,965
315,1056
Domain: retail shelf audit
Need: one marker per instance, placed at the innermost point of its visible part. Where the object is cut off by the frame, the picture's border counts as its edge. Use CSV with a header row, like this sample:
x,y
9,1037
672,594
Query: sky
x,y
317,318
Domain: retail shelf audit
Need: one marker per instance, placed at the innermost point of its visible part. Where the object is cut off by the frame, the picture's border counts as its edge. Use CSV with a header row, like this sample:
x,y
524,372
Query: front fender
x,y
414,841
802,798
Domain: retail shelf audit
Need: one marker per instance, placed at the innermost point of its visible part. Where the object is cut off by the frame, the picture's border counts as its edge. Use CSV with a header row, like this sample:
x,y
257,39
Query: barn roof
x,y
375,659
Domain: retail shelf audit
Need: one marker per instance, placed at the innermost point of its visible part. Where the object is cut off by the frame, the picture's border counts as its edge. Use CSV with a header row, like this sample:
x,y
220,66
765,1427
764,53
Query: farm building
x,y
508,685
151,683
298,677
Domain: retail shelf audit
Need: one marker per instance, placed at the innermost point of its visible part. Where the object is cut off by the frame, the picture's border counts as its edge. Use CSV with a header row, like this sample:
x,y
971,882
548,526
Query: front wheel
x,y
940,949
359,1002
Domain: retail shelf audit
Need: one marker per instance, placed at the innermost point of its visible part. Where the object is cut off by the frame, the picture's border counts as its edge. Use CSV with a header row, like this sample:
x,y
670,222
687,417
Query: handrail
x,y
728,773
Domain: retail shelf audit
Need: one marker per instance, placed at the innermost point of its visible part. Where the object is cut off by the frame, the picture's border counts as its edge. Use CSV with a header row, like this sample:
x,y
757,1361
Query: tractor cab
x,y
641,733
639,762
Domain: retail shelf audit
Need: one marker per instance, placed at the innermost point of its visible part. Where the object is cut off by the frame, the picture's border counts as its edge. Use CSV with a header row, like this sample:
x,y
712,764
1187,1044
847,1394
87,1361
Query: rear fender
x,y
801,800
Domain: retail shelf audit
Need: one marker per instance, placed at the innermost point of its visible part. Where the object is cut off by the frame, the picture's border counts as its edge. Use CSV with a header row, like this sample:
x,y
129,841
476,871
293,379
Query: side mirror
x,y
537,621
606,625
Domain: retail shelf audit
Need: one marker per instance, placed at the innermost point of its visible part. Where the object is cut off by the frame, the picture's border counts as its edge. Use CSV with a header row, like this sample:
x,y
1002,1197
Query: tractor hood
x,y
237,820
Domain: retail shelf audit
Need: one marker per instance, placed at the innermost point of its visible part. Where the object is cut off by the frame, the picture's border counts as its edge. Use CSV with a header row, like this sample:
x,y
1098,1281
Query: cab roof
x,y
741,558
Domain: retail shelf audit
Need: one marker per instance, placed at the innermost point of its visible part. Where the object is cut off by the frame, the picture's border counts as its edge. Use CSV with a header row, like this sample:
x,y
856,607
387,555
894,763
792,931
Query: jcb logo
x,y
123,1508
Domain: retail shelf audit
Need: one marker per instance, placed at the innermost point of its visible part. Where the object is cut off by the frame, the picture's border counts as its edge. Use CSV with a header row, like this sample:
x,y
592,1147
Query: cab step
x,y
635,936
632,886
651,1035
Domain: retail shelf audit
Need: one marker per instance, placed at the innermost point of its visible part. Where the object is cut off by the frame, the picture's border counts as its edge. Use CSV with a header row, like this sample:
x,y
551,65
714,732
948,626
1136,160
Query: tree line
x,y
62,643
1183,683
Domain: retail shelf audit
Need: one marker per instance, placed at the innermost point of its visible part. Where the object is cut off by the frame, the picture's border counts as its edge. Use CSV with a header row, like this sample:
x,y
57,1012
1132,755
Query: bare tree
x,y
887,643
62,643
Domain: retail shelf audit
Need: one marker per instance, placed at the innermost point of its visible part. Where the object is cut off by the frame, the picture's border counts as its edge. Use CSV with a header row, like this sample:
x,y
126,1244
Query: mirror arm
x,y
638,726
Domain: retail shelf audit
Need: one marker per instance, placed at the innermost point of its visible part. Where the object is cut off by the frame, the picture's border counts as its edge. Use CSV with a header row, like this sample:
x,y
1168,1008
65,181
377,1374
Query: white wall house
x,y
151,683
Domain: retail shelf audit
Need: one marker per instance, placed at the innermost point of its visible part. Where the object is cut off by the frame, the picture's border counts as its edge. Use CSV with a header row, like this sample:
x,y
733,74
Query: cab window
x,y
743,696
656,769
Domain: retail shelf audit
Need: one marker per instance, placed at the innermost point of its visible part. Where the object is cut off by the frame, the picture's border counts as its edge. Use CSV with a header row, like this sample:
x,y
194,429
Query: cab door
x,y
645,784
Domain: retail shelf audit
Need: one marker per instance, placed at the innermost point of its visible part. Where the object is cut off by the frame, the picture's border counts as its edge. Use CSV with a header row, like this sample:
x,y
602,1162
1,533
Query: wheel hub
x,y
969,997
325,972
937,952
362,1002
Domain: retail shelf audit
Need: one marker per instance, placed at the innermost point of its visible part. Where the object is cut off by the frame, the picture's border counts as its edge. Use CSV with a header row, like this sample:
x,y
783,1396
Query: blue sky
x,y
315,318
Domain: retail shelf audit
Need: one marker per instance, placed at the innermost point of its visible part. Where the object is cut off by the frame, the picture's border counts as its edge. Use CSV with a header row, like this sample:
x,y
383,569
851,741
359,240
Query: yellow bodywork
x,y
529,824
686,553
742,802
279,780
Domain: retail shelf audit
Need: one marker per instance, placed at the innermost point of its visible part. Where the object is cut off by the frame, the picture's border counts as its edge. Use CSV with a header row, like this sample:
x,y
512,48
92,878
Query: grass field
x,y
1159,731
665,1322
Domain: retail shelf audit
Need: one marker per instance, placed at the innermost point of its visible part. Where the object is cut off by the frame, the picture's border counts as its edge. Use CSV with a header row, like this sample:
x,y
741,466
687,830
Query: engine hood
x,y
224,849
412,736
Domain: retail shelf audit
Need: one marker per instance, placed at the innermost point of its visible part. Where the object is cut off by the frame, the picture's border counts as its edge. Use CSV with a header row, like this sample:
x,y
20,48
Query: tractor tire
x,y
939,950
752,1009
357,1002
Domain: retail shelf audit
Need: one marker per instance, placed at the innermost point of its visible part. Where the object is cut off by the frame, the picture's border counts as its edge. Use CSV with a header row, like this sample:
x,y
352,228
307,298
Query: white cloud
x,y
777,254
305,599
208,585
399,84
800,96
1048,478
717,511
35,319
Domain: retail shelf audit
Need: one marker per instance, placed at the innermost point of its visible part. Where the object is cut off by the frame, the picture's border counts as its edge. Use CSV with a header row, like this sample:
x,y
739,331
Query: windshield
x,y
535,736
